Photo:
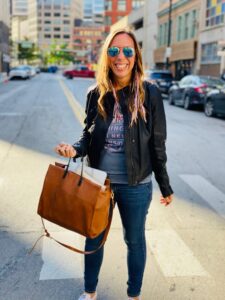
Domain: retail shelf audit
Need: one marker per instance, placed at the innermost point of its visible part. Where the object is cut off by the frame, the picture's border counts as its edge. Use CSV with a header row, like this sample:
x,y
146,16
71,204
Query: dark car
x,y
162,78
192,90
79,71
215,99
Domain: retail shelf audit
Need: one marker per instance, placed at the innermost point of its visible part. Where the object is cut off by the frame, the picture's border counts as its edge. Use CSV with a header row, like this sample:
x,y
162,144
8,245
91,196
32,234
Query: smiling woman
x,y
124,136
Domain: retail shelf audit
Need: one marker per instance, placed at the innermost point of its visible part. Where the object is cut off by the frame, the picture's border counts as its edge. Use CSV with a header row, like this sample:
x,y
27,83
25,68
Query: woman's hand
x,y
166,200
65,150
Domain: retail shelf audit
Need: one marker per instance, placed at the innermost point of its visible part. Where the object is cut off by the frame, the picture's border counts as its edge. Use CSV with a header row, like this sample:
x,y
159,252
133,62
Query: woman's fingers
x,y
65,150
166,200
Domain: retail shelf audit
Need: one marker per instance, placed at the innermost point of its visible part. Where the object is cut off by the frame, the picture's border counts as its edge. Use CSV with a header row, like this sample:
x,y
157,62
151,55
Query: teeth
x,y
121,66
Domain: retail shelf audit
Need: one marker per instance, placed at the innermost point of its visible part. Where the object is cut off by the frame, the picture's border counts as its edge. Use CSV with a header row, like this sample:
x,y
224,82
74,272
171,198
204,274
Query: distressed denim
x,y
133,203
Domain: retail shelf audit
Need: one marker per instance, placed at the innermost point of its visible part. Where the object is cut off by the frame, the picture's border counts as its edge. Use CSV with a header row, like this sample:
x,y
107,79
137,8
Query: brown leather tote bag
x,y
75,203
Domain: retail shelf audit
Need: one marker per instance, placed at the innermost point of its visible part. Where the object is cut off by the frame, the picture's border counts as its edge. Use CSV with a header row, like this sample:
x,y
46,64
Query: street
x,y
186,240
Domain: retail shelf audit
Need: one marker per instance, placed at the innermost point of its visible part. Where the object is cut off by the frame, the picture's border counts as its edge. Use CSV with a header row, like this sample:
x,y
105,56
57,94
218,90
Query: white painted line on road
x,y
75,105
174,257
11,93
10,114
208,192
59,262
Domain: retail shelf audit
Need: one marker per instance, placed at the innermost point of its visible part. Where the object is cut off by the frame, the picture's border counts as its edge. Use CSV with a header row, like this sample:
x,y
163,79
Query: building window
x,y
47,14
66,22
215,10
56,14
193,24
66,36
137,3
186,26
56,28
47,22
209,53
179,29
57,36
47,36
108,5
121,5
108,20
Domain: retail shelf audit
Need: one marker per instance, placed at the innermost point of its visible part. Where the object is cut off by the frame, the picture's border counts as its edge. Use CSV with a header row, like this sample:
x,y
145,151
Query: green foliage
x,y
28,51
58,54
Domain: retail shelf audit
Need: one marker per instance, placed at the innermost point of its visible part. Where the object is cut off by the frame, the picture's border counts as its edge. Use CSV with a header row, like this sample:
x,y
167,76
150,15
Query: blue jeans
x,y
133,203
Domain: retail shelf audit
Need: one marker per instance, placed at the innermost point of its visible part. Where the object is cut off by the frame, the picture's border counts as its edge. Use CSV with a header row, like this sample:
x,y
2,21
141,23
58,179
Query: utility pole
x,y
168,49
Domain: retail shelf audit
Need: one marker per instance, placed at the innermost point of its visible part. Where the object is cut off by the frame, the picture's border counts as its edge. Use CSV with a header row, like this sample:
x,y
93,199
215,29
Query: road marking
x,y
59,262
214,197
10,114
75,105
174,257
11,93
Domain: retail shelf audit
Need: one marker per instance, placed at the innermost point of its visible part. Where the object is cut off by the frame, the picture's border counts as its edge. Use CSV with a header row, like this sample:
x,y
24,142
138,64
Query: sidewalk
x,y
3,77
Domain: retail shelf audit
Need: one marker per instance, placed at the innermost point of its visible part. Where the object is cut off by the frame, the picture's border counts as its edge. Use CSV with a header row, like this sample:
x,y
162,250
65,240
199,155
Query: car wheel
x,y
170,99
209,109
187,102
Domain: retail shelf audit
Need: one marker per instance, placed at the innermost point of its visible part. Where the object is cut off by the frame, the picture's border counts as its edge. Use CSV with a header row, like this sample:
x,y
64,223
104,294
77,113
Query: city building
x,y
150,32
4,35
87,42
19,27
19,7
117,9
143,21
93,12
181,52
52,21
211,54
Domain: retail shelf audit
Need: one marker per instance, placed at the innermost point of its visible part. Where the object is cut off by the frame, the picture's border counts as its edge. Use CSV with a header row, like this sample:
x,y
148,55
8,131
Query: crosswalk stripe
x,y
174,257
59,263
214,197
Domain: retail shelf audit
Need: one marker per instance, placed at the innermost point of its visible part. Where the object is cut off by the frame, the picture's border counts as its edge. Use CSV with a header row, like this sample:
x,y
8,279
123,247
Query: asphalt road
x,y
186,240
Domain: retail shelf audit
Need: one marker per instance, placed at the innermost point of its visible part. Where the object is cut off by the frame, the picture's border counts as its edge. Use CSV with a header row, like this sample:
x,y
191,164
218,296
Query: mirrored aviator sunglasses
x,y
127,51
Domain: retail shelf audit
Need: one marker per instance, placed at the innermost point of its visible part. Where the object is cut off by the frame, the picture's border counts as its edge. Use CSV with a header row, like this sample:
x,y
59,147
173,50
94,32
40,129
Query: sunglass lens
x,y
128,51
113,51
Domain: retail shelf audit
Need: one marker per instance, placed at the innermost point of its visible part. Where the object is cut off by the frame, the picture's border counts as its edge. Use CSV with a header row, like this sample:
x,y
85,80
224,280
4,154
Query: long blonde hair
x,y
105,78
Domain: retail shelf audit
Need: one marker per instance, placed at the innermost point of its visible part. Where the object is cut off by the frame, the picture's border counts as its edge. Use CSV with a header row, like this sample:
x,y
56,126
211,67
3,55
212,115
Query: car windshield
x,y
212,81
159,75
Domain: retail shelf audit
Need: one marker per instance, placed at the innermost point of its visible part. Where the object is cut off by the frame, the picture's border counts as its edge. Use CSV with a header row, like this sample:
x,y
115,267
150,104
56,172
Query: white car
x,y
20,71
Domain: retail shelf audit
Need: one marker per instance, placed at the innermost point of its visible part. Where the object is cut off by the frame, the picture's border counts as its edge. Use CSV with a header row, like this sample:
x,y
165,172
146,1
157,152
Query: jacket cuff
x,y
166,191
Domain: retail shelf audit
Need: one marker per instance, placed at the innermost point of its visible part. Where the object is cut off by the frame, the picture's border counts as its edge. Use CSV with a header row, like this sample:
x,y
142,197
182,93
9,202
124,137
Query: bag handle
x,y
82,170
47,234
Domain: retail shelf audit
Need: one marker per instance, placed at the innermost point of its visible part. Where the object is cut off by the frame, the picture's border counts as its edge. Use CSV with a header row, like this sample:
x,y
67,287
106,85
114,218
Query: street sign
x,y
168,51
26,44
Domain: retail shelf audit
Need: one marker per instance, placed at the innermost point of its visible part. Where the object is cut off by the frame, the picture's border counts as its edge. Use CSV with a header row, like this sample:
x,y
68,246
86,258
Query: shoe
x,y
86,296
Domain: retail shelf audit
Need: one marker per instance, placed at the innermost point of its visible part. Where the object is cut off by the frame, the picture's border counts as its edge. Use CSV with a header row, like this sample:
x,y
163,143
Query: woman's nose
x,y
121,55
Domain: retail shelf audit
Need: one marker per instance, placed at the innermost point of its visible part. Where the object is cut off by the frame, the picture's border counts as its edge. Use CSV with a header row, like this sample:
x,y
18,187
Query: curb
x,y
4,78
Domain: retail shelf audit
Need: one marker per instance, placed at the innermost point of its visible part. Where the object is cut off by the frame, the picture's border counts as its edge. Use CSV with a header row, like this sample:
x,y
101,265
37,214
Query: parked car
x,y
215,99
20,72
162,78
192,90
79,71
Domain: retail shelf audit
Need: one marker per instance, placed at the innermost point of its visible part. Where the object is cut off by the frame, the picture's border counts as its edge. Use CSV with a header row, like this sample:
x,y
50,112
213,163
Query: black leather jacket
x,y
144,142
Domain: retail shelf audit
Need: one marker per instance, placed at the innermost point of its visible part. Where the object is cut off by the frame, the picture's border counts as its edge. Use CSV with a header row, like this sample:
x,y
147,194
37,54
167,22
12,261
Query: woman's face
x,y
121,65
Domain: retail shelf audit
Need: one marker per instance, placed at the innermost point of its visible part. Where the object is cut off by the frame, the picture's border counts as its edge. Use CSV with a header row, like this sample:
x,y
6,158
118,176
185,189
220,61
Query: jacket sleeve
x,y
81,146
158,141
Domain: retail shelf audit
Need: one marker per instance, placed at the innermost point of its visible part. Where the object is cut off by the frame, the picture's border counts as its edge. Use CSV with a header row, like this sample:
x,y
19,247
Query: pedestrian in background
x,y
125,136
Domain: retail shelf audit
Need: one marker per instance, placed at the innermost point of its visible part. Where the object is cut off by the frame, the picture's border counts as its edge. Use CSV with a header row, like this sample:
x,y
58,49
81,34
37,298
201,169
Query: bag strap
x,y
47,234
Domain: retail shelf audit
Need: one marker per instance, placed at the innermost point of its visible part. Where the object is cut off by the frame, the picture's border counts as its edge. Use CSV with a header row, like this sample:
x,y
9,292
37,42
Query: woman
x,y
125,136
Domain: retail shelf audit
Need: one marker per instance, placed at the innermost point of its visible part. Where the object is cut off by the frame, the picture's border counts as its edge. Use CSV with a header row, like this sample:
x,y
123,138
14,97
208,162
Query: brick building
x,y
184,36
